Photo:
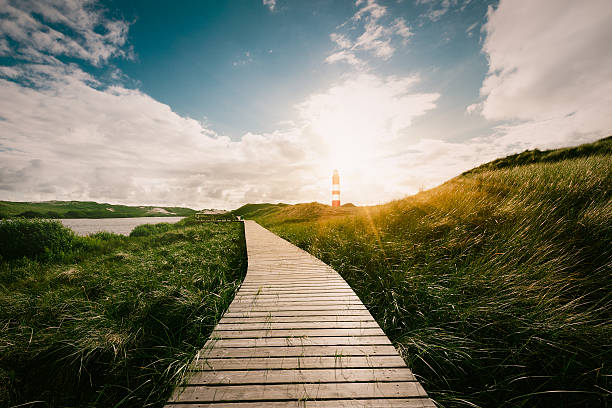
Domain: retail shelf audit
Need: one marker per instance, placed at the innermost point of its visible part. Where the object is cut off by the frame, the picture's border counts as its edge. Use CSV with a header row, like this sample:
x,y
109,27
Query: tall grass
x,y
496,286
115,326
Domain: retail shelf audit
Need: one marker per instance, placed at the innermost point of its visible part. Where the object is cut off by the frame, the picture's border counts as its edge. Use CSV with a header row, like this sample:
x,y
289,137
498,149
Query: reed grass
x,y
118,324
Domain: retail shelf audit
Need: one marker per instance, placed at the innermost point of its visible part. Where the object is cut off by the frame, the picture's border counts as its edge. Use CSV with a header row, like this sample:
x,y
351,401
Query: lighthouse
x,y
336,189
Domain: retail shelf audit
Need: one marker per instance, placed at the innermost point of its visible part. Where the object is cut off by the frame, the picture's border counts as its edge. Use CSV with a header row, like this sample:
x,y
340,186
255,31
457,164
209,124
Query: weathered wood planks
x,y
296,335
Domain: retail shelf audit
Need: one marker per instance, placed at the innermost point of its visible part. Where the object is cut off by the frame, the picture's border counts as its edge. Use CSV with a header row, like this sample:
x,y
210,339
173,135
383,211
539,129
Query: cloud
x,y
341,40
470,30
270,4
376,38
69,138
244,59
39,31
357,124
550,68
66,135
344,56
438,8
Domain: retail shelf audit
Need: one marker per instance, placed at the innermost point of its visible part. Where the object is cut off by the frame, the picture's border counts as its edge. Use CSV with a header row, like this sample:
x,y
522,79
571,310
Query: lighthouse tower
x,y
336,189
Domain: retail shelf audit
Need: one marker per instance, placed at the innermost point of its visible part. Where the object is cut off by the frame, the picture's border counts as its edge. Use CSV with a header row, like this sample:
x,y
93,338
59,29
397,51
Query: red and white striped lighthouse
x,y
336,189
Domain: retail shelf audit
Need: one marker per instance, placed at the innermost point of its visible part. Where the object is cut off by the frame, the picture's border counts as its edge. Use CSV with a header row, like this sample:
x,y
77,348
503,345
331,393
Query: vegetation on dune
x,y
496,286
225,216
600,147
284,213
85,209
112,321
254,210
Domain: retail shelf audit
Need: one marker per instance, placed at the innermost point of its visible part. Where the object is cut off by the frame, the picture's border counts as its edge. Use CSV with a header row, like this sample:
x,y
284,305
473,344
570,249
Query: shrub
x,y
34,238
150,229
106,236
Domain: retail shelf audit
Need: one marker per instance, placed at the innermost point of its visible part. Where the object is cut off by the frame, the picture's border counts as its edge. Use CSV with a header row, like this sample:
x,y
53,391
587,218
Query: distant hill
x,y
85,209
293,213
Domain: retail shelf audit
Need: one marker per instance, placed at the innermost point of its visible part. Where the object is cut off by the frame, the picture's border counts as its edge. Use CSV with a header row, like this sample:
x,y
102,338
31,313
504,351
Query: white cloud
x,y
375,39
372,10
550,67
64,135
470,30
344,56
341,40
401,29
357,124
437,8
94,38
69,139
271,4
243,59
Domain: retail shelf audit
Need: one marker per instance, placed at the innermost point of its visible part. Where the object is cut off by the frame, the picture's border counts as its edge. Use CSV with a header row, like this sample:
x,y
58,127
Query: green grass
x,y
114,325
601,147
84,209
150,229
496,286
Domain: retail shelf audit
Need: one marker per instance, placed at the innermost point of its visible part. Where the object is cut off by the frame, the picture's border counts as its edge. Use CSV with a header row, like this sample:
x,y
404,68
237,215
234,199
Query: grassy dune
x,y
496,286
85,209
111,321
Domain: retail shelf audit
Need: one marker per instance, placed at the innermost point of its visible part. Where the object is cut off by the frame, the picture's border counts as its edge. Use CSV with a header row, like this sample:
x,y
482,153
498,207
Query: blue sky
x,y
216,104
220,60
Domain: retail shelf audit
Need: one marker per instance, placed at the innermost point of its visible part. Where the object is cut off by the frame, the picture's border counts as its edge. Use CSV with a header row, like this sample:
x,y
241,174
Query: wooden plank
x,y
277,277
290,286
294,298
237,334
299,351
338,309
308,294
298,341
295,319
345,403
299,291
296,288
241,297
284,363
286,281
295,325
301,376
306,391
299,302
291,270
338,304
287,313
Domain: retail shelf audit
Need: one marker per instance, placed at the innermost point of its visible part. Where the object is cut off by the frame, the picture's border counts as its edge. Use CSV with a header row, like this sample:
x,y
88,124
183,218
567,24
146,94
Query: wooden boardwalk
x,y
296,335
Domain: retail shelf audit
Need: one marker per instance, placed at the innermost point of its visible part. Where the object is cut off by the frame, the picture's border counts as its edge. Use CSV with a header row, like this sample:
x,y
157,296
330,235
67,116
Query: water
x,y
85,226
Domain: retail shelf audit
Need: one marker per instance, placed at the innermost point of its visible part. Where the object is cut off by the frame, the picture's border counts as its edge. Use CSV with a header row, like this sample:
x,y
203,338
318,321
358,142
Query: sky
x,y
212,104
